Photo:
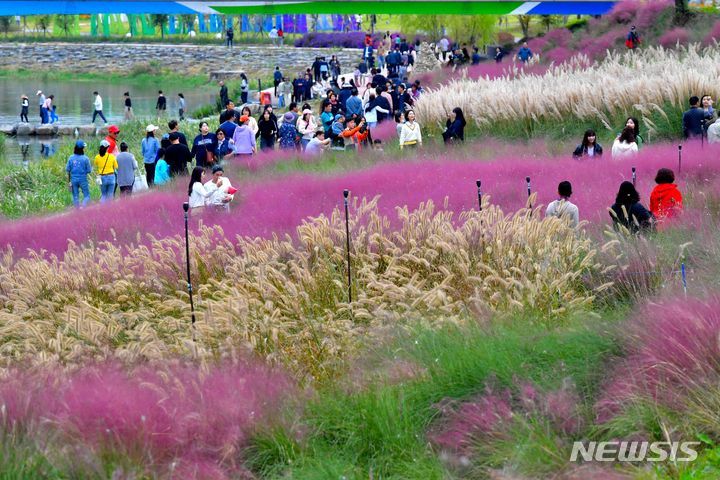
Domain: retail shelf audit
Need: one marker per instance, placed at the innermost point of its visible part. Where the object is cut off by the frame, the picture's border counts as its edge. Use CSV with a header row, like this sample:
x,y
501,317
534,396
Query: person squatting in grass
x,y
665,199
628,212
562,207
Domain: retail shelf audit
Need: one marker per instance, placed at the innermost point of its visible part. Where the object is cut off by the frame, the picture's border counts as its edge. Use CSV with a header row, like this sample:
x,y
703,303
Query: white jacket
x,y
410,134
98,103
713,132
218,194
622,149
199,196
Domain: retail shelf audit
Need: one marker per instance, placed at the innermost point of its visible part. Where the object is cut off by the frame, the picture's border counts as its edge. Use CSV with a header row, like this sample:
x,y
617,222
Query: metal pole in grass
x,y
634,176
186,207
679,158
529,190
684,278
346,193
479,183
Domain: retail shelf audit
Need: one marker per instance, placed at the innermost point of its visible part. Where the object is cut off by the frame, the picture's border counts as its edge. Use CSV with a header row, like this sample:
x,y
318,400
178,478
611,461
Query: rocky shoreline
x,y
51,130
180,59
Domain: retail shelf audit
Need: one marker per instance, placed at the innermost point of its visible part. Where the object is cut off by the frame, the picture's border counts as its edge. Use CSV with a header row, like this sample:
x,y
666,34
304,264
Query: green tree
x,y
682,12
188,22
42,22
548,21
431,25
475,29
159,20
65,23
5,23
525,24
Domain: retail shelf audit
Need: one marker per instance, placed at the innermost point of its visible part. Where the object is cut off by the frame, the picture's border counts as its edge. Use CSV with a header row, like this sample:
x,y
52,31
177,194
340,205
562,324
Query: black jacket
x,y
454,130
381,102
693,121
177,157
581,150
638,218
267,129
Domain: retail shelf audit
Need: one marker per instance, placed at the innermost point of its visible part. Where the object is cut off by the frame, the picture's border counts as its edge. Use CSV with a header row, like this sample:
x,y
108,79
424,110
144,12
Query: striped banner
x,y
294,7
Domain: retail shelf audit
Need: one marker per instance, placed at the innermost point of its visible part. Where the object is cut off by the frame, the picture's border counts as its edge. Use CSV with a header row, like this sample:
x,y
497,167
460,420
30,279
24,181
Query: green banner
x,y
368,7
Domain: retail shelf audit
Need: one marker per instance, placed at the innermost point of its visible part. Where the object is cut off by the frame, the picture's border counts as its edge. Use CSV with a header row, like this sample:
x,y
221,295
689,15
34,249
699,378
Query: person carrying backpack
x,y
632,41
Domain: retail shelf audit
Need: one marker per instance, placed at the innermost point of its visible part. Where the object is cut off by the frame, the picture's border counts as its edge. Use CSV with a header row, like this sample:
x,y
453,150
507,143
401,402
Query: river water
x,y
74,99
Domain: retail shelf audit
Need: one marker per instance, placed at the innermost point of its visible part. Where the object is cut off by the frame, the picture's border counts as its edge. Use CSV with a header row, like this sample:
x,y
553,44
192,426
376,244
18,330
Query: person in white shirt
x,y
625,145
410,135
196,190
713,132
318,144
274,36
219,189
98,105
562,208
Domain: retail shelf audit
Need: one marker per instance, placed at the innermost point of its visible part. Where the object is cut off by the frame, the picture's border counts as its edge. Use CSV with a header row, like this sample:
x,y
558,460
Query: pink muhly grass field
x,y
279,205
673,348
160,418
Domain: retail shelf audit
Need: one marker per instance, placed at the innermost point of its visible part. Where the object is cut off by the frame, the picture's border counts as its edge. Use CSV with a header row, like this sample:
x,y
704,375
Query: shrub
x,y
505,38
160,419
713,36
674,37
559,37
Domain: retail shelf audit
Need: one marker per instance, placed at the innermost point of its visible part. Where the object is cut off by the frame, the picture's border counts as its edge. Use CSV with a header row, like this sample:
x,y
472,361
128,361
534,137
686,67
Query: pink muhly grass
x,y
713,36
558,55
160,417
674,37
673,348
279,205
560,37
473,419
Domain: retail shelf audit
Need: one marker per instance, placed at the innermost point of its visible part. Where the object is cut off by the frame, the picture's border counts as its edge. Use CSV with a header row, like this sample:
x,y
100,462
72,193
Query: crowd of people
x,y
627,211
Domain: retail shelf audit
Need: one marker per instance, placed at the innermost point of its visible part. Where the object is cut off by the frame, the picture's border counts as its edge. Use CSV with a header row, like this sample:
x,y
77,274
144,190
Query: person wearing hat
x,y
98,106
338,126
306,126
111,138
149,147
287,132
219,188
244,138
177,155
107,165
24,108
41,102
78,168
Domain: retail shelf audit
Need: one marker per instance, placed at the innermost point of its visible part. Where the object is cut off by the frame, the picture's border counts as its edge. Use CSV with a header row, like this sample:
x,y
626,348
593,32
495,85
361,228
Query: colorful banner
x,y
290,7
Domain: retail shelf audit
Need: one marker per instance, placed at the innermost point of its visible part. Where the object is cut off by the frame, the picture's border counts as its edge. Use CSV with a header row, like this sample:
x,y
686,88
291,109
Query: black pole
x,y
529,190
702,133
186,207
679,158
634,176
347,237
478,183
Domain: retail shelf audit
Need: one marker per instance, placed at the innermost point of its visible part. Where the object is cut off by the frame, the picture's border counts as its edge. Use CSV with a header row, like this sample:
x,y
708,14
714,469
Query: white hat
x,y
151,128
105,143
306,111
38,92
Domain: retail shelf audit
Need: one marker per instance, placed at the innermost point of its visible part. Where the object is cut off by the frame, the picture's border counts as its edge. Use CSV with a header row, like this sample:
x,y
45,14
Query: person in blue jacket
x,y
78,168
524,54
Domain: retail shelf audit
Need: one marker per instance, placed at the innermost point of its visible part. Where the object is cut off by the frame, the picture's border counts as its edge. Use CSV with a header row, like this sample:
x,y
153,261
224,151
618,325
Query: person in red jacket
x,y
665,199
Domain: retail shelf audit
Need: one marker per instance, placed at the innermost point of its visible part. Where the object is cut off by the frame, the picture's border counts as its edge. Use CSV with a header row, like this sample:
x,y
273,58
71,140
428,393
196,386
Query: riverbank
x,y
180,60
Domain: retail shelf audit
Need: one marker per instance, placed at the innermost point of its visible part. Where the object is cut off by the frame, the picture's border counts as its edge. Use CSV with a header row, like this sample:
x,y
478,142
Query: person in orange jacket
x,y
665,199
355,135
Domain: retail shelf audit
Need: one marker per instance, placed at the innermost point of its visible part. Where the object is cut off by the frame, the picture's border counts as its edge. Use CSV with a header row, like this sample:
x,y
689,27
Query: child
x,y
25,105
377,146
